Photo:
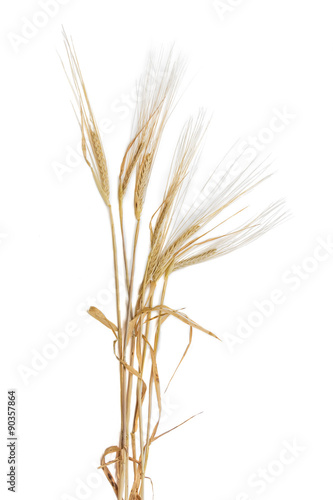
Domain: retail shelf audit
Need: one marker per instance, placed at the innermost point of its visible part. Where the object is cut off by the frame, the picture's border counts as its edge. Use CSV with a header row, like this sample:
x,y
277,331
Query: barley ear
x,y
141,185
92,146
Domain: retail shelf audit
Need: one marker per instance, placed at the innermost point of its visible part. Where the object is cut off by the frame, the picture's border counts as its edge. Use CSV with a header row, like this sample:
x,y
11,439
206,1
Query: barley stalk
x,y
142,184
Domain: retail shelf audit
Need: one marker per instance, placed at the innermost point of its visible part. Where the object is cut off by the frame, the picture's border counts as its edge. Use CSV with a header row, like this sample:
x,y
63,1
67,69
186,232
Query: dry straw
x,y
181,235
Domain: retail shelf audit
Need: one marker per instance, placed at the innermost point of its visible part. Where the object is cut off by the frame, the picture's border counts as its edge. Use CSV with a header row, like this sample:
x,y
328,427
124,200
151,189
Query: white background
x,y
246,60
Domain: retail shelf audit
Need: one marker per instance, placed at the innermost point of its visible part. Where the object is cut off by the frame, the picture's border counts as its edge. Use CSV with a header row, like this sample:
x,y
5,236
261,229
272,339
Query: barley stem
x,y
157,333
121,357
121,218
130,375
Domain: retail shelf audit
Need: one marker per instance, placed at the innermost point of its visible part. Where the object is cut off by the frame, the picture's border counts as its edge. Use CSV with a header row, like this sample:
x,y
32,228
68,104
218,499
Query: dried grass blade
x,y
136,413
97,314
152,486
157,388
170,430
180,362
181,316
132,370
109,476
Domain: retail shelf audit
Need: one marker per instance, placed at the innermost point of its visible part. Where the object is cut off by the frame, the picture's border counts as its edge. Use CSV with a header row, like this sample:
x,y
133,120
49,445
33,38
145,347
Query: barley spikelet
x,y
141,184
161,264
153,257
217,246
177,244
183,162
159,83
197,259
130,168
100,162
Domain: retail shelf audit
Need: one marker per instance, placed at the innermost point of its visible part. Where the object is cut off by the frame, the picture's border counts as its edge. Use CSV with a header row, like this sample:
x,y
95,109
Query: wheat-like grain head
x,y
165,259
184,243
217,246
158,85
141,184
92,146
183,161
196,259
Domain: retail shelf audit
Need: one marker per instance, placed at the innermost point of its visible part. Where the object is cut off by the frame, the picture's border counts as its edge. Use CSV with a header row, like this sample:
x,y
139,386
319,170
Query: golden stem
x,y
121,218
121,357
157,334
130,376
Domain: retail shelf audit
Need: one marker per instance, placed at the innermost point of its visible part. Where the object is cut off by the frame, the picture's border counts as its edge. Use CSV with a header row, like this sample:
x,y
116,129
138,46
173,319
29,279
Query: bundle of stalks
x,y
179,237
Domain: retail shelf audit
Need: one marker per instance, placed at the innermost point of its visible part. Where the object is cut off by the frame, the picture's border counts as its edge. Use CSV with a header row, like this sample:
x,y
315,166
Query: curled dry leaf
x,y
97,314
